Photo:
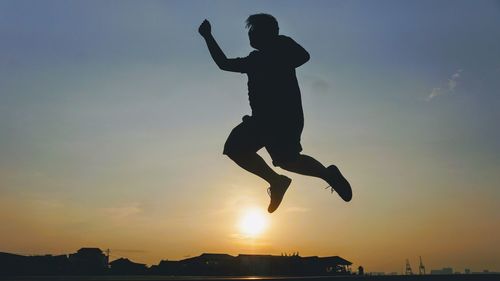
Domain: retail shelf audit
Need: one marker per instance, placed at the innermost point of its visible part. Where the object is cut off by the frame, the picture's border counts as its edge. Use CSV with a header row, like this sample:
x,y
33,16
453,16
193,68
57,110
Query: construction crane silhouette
x,y
408,268
421,267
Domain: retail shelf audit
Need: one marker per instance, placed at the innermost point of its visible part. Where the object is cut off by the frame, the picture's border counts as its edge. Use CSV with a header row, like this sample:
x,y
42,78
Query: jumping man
x,y
277,119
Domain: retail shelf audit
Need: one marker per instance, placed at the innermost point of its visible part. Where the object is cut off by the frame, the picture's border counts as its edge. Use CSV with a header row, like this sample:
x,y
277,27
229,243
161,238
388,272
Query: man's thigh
x,y
283,145
244,138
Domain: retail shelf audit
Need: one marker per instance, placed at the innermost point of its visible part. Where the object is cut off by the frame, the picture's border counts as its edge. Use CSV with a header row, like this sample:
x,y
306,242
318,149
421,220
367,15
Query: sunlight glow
x,y
253,222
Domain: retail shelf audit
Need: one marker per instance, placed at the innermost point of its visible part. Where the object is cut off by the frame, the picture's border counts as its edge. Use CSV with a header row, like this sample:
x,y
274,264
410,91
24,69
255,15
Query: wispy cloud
x,y
296,210
249,241
449,88
123,212
452,82
317,84
435,92
320,86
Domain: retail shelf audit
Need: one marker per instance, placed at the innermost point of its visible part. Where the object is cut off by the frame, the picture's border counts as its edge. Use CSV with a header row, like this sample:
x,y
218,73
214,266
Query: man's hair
x,y
263,22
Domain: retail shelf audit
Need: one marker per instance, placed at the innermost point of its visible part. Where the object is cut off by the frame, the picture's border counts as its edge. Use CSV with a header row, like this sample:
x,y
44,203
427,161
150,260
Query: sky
x,y
113,118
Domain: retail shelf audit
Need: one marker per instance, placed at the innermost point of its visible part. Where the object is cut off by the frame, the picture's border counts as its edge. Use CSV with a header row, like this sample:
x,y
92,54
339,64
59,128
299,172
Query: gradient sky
x,y
113,117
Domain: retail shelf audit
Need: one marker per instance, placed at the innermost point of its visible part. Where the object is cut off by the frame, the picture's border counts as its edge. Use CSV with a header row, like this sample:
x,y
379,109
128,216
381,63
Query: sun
x,y
253,223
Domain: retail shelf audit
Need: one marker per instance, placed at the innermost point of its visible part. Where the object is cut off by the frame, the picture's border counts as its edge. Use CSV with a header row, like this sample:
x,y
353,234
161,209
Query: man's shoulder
x,y
285,40
284,37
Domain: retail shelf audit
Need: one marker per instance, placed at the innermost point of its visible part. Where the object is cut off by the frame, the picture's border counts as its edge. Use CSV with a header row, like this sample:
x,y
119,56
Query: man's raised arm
x,y
235,65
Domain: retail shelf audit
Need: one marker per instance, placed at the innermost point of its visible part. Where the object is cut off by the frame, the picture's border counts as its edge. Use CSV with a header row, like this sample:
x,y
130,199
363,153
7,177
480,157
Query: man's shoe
x,y
276,192
338,183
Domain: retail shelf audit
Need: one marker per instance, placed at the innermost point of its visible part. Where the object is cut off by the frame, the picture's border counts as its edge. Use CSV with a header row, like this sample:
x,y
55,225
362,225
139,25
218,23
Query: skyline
x,y
110,258
98,260
113,118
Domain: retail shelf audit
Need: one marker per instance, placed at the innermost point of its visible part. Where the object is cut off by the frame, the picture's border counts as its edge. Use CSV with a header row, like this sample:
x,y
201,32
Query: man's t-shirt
x,y
273,89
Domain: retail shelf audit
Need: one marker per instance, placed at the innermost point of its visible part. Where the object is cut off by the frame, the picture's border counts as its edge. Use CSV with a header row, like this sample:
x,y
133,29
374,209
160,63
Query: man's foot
x,y
277,191
338,183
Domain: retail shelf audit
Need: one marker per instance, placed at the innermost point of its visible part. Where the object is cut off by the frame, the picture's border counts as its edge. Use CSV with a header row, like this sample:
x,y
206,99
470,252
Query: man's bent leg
x,y
253,163
306,165
242,146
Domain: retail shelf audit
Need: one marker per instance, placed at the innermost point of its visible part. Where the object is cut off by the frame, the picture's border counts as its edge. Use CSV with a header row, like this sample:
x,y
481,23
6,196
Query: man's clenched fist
x,y
205,29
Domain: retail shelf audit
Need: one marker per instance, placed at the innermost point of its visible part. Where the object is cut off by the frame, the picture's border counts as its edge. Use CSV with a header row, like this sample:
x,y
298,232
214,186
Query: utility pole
x,y
108,251
408,268
421,267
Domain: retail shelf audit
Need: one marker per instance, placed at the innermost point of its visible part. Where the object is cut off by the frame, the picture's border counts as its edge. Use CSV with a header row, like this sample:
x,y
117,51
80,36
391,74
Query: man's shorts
x,y
282,141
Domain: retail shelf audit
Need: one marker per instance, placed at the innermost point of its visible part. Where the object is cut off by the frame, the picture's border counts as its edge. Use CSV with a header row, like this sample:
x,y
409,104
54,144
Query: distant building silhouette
x,y
123,266
204,264
223,264
92,261
444,270
89,260
11,264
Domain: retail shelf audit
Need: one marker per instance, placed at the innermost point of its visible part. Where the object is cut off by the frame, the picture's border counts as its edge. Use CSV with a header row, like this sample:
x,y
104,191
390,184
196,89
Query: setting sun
x,y
253,222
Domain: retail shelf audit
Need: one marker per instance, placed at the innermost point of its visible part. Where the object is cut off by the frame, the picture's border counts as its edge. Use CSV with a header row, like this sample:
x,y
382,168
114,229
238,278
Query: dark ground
x,y
456,277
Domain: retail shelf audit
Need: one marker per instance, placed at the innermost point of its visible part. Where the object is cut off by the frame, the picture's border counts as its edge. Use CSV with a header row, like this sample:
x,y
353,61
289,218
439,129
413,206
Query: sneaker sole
x,y
342,186
270,209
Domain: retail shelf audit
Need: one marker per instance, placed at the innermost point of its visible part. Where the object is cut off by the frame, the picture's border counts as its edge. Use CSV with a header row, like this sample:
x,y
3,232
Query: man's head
x,y
262,29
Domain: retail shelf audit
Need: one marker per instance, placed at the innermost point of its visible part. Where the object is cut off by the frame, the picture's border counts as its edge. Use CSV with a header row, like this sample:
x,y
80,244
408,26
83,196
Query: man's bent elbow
x,y
305,58
223,65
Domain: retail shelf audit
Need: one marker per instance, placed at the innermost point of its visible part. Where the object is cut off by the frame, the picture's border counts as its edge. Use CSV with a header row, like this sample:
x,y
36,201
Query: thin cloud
x,y
450,88
320,86
123,212
317,84
296,210
452,82
435,92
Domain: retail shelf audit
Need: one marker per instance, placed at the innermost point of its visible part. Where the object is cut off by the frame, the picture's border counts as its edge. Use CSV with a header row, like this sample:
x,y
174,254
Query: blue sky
x,y
115,108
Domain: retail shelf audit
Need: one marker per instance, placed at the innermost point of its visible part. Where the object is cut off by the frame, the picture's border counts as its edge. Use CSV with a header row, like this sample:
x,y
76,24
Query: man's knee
x,y
230,149
229,153
233,148
235,155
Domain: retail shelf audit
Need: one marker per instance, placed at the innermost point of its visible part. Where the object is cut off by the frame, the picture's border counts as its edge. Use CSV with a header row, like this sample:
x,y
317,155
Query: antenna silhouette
x,y
421,267
408,268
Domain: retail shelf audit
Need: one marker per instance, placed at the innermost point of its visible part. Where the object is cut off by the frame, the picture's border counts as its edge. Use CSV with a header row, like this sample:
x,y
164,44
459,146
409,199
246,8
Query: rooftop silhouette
x,y
93,261
207,266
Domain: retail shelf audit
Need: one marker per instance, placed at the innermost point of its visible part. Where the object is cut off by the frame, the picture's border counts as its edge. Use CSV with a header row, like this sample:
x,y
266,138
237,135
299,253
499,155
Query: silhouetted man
x,y
277,118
